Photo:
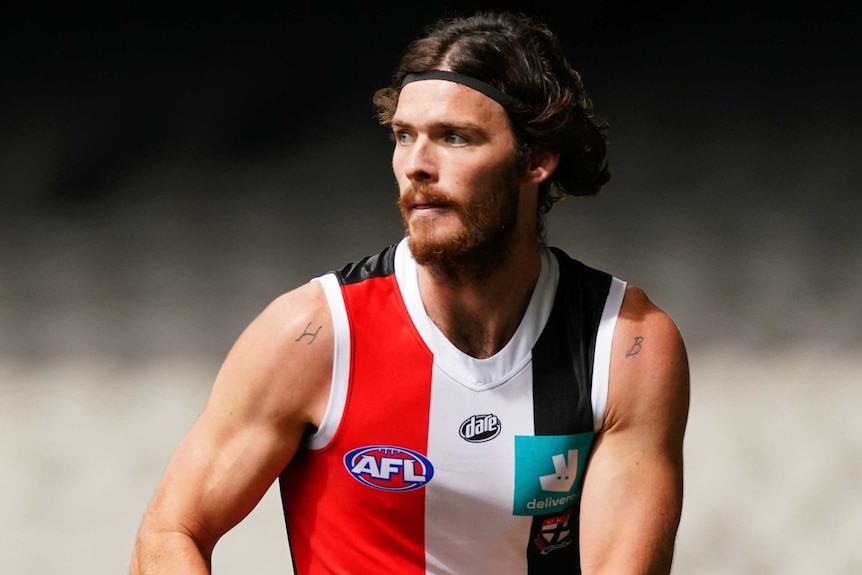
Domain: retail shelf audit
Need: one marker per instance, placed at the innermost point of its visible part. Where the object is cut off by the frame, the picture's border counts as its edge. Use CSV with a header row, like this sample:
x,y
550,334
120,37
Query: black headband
x,y
501,98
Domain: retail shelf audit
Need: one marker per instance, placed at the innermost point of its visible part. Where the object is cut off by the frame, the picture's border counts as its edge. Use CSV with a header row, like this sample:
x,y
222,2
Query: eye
x,y
455,139
402,137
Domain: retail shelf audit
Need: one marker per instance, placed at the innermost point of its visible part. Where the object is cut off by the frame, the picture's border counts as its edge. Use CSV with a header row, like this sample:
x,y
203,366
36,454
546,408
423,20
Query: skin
x,y
274,383
272,386
452,138
632,497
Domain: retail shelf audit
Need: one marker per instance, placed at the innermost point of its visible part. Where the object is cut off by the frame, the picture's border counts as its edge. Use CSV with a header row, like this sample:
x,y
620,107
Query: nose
x,y
419,160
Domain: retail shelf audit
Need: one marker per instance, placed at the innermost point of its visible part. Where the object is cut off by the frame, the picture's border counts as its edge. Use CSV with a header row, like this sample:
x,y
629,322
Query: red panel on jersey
x,y
367,515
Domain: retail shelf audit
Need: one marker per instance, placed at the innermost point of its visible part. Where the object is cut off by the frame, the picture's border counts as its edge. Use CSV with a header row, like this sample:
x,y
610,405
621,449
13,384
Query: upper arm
x,y
632,497
272,386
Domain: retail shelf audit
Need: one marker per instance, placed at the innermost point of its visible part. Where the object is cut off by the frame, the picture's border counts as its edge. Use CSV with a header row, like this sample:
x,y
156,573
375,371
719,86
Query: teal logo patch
x,y
549,472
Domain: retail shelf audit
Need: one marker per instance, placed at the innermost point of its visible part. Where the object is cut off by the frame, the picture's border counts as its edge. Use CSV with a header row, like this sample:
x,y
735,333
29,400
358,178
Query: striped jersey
x,y
430,461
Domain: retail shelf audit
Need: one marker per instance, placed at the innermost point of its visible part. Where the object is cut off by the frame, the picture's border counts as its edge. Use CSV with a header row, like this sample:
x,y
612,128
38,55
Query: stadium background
x,y
165,171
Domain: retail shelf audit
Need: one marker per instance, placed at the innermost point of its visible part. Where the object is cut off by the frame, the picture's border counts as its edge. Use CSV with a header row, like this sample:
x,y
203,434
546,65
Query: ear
x,y
541,166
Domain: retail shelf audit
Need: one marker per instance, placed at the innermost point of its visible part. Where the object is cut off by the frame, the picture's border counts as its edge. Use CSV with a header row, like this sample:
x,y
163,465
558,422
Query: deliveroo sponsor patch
x,y
549,472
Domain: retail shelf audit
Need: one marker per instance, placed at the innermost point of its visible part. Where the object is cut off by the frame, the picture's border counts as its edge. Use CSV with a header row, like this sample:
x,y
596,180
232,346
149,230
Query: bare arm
x,y
272,386
632,497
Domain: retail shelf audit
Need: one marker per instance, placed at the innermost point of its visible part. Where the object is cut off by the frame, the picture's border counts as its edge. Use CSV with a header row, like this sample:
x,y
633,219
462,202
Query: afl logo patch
x,y
389,468
480,428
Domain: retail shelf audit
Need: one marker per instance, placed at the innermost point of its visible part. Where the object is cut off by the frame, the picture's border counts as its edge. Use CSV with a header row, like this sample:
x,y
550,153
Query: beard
x,y
484,238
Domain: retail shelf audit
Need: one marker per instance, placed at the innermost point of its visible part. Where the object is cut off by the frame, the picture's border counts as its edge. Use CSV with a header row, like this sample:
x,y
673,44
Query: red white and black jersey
x,y
429,461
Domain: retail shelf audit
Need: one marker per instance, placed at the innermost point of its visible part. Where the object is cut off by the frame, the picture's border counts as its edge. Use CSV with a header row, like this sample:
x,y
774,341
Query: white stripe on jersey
x,y
602,358
463,505
340,365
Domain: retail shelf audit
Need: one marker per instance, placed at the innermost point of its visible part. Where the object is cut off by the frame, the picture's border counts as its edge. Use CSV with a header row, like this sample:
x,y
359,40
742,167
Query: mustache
x,y
428,196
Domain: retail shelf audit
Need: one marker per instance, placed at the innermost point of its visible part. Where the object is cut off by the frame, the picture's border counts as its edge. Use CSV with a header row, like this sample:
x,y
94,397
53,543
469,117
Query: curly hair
x,y
523,58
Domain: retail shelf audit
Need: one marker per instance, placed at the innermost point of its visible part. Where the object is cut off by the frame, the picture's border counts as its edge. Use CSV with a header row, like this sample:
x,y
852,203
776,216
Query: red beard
x,y
487,227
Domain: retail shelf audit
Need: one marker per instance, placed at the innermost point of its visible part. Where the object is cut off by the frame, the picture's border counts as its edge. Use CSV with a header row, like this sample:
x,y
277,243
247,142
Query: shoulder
x,y
649,374
280,366
639,317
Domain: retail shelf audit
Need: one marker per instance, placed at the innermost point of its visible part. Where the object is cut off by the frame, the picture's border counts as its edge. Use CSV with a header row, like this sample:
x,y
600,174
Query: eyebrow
x,y
444,126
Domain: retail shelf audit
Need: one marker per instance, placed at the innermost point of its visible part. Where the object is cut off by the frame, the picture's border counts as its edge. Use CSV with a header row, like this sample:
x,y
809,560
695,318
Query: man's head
x,y
464,199
520,62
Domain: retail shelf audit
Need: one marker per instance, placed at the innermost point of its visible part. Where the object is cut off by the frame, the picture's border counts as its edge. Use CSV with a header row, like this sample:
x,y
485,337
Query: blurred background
x,y
167,170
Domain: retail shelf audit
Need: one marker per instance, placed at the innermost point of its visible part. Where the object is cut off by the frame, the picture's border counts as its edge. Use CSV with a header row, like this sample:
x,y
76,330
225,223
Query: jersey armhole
x,y
602,356
340,364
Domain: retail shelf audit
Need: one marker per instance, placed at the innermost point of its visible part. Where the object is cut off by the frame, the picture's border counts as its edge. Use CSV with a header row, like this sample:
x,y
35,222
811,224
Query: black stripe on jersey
x,y
376,266
562,385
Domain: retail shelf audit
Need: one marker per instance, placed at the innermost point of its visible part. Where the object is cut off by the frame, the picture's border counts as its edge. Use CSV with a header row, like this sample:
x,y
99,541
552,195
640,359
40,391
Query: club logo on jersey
x,y
555,533
549,472
389,468
480,428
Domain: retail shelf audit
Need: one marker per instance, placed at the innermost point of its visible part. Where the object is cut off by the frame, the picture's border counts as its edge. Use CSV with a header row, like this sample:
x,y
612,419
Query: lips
x,y
424,199
427,205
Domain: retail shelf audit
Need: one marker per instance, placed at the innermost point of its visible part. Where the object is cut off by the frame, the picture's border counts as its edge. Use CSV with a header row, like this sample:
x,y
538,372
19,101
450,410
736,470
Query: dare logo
x,y
480,428
389,468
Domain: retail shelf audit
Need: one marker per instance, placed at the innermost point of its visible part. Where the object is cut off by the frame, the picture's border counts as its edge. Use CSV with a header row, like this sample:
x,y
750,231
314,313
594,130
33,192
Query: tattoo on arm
x,y
636,347
311,334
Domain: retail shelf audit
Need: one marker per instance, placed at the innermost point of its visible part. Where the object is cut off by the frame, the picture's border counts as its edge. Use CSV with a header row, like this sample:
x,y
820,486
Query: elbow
x,y
169,551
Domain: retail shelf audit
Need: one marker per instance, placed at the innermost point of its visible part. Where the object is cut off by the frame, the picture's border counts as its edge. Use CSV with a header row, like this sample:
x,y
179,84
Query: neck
x,y
479,307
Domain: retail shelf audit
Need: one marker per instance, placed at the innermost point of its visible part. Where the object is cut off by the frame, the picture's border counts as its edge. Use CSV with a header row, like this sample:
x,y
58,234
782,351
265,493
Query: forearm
x,y
168,552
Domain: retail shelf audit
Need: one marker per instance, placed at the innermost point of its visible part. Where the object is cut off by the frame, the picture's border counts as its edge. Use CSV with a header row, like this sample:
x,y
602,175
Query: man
x,y
468,400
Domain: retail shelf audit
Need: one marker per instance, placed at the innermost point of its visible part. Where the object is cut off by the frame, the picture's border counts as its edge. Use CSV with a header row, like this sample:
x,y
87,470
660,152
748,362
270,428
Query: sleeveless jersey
x,y
429,461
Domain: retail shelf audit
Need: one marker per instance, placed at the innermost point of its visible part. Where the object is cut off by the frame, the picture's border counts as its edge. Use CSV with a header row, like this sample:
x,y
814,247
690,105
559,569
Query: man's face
x,y
454,162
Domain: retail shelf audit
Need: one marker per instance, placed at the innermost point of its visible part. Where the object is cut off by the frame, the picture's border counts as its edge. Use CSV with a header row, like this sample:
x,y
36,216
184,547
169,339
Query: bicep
x,y
632,497
266,394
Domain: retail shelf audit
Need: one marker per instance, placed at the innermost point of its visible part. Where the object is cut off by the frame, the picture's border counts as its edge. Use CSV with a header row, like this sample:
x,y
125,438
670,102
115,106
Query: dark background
x,y
166,170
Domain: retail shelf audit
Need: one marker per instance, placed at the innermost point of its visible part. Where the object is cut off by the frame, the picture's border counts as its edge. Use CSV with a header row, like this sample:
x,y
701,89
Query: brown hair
x,y
523,58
